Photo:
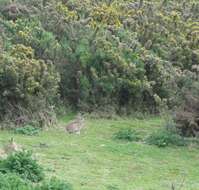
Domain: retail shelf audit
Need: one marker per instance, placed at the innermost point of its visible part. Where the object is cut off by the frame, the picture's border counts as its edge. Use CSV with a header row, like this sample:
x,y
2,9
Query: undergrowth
x,y
22,164
163,138
27,130
127,135
13,182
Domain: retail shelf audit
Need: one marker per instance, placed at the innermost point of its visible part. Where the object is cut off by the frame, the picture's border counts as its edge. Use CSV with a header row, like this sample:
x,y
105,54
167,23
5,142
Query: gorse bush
x,y
24,76
123,55
22,164
27,130
25,82
187,116
126,62
127,135
163,138
31,34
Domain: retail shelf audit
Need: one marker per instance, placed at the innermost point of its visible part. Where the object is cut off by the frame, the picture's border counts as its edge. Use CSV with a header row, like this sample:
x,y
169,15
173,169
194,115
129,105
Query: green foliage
x,y
127,135
123,55
32,34
164,138
187,115
54,184
26,76
27,130
13,182
22,164
113,60
12,10
26,82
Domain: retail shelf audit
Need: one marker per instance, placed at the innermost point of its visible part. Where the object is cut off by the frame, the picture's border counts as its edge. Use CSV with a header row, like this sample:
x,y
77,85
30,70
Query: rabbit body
x,y
75,126
12,147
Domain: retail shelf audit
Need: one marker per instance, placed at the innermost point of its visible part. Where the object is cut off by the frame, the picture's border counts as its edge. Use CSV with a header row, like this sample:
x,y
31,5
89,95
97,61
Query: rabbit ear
x,y
11,139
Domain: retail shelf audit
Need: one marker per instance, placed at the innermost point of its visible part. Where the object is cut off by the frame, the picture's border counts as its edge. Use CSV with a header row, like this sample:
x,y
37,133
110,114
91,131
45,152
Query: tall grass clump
x,y
27,130
127,135
165,137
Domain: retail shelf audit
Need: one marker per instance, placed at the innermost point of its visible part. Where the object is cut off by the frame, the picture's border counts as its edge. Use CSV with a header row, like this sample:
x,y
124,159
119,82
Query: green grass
x,y
94,160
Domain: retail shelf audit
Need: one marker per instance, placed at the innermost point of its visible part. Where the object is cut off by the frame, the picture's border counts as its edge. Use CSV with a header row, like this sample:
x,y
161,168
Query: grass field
x,y
96,161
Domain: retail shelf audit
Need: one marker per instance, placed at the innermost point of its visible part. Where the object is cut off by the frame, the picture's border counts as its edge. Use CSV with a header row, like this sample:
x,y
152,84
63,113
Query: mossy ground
x,y
94,160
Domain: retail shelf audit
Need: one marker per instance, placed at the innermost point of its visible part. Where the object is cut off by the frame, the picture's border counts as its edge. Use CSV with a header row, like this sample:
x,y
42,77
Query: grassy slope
x,y
94,161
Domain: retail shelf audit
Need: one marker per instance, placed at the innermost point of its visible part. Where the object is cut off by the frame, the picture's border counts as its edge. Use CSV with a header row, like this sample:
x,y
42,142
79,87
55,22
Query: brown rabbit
x,y
12,147
76,125
2,153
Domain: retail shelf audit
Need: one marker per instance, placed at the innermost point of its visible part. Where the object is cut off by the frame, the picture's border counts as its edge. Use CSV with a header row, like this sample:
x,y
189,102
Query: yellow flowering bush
x,y
24,78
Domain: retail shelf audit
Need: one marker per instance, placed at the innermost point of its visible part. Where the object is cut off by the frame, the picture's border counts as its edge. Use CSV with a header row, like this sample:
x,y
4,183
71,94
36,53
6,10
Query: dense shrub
x,y
127,135
22,164
126,63
27,130
187,116
123,55
54,184
13,182
26,83
14,10
31,34
163,138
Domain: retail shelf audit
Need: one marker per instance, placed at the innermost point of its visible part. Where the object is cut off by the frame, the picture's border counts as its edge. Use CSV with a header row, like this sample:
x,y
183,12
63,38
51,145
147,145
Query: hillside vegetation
x,y
99,94
116,56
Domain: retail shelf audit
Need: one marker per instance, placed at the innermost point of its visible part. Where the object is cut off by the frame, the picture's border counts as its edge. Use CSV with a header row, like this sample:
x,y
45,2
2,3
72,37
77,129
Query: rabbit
x,y
76,125
12,147
2,154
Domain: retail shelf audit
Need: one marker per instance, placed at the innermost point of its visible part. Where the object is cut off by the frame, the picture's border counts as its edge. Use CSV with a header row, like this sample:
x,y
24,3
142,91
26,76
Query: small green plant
x,y
163,138
54,184
22,164
13,182
127,135
27,130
